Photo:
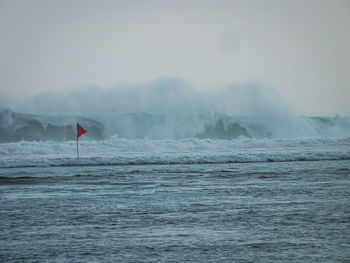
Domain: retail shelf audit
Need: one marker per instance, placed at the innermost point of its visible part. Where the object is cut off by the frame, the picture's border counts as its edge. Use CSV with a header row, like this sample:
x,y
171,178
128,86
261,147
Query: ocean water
x,y
191,200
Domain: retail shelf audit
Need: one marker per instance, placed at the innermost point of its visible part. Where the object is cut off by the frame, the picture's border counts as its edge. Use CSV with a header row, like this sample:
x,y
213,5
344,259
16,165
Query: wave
x,y
17,126
140,125
164,109
117,151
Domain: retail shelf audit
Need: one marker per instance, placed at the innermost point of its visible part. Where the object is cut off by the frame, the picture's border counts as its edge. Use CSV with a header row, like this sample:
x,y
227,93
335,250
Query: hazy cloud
x,y
299,47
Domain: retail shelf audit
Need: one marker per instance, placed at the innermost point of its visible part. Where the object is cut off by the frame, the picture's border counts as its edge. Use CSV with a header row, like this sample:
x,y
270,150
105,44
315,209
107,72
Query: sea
x,y
172,183
175,200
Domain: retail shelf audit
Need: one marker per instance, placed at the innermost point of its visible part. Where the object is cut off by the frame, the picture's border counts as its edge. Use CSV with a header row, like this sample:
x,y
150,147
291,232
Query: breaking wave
x,y
164,109
166,122
29,127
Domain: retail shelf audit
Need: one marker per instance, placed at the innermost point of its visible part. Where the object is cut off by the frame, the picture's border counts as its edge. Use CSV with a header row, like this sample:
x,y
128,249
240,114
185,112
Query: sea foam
x,y
116,151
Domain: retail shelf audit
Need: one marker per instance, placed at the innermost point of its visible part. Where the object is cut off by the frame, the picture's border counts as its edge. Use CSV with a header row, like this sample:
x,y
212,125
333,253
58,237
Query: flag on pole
x,y
80,130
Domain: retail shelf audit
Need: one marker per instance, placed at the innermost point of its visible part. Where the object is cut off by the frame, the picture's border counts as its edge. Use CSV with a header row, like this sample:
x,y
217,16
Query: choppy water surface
x,y
240,212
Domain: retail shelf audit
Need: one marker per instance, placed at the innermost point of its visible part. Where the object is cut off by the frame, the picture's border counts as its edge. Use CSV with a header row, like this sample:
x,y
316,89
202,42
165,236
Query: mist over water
x,y
168,96
168,109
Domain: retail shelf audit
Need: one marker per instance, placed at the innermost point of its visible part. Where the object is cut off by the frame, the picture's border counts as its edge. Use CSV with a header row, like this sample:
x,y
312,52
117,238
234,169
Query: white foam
x,y
116,151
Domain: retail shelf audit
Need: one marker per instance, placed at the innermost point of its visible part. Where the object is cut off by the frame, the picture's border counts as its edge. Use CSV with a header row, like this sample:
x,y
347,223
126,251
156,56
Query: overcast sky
x,y
302,48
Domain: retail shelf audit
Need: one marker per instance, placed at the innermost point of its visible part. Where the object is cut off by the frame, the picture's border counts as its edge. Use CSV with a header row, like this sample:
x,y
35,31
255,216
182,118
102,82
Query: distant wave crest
x,y
140,125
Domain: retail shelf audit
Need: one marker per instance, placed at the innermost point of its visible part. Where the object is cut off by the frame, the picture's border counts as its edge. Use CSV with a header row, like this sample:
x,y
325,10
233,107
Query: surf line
x,y
80,131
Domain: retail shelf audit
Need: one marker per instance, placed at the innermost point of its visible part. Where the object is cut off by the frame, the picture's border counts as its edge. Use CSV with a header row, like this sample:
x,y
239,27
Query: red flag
x,y
80,130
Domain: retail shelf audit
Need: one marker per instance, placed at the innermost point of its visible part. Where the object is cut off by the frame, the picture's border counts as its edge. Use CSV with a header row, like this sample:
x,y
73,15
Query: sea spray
x,y
165,109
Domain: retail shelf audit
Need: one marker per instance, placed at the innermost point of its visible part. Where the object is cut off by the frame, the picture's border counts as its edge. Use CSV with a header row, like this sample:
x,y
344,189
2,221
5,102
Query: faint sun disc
x,y
229,43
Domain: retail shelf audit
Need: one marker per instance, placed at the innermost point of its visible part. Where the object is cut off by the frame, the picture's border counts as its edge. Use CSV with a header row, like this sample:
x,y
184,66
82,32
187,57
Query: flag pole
x,y
77,143
80,131
77,149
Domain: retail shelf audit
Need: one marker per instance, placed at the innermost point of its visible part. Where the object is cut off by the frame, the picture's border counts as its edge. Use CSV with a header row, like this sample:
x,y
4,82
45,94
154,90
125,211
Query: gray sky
x,y
302,48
